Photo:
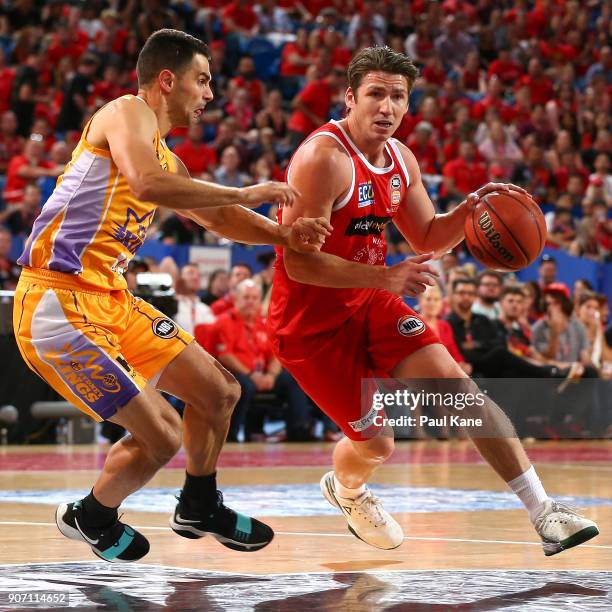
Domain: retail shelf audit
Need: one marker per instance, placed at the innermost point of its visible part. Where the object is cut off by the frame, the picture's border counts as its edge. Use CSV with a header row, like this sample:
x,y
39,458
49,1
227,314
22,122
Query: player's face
x,y
379,104
193,92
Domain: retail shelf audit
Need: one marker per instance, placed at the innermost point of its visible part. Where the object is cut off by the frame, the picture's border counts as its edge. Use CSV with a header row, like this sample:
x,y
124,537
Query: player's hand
x,y
473,198
308,235
411,277
271,192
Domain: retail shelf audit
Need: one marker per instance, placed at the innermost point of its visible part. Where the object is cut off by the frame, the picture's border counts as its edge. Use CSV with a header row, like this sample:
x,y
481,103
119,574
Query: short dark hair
x,y
463,281
380,59
170,50
566,304
243,264
587,296
512,290
492,274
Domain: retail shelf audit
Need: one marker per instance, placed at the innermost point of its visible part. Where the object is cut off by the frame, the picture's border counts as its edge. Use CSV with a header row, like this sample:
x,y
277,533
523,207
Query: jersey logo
x,y
410,326
132,241
365,193
165,328
363,226
395,192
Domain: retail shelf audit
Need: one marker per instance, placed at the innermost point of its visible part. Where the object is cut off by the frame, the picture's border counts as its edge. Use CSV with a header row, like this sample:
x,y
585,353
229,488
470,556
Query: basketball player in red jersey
x,y
336,315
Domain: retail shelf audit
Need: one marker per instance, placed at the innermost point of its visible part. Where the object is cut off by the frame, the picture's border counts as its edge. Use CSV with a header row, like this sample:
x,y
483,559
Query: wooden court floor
x,y
468,543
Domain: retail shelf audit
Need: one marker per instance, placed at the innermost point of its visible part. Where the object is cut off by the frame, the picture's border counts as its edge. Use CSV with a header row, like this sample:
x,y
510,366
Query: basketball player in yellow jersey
x,y
107,352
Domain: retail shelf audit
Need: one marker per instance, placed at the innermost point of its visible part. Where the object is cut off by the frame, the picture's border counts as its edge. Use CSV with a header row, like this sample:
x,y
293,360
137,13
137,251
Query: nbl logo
x,y
165,328
410,326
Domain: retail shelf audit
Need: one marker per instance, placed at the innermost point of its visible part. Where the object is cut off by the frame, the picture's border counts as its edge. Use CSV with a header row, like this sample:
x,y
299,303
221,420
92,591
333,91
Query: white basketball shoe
x,y
367,519
561,527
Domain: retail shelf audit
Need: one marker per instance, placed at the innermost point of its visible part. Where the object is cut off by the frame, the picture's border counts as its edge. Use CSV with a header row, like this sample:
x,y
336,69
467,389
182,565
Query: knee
x,y
378,449
226,399
167,444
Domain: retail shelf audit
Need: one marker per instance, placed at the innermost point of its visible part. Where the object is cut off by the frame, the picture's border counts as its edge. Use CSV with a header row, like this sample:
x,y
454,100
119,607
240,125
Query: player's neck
x,y
373,150
157,104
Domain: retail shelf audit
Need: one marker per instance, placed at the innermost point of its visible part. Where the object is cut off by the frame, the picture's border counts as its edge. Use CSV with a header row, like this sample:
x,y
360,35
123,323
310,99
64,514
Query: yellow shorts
x,y
96,349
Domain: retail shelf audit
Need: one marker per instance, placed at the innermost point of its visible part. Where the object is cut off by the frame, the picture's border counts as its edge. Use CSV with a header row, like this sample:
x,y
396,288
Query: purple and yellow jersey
x,y
92,225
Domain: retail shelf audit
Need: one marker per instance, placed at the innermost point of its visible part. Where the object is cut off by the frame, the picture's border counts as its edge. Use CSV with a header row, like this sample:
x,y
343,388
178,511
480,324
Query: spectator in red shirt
x,y
539,84
240,18
239,272
247,79
425,151
242,345
434,71
505,68
472,75
11,144
113,30
66,43
295,56
7,74
312,106
493,98
26,167
106,89
197,156
241,109
463,174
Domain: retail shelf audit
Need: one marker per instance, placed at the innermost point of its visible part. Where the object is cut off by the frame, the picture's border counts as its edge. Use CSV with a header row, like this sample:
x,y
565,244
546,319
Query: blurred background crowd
x,y
509,90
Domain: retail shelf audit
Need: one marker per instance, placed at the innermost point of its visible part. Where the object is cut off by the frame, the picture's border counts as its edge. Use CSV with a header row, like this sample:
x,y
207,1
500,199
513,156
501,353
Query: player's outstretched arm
x,y
246,226
322,174
129,128
418,222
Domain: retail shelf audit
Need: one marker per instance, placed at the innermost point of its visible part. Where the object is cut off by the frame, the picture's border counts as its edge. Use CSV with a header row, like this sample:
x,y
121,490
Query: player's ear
x,y
166,80
349,98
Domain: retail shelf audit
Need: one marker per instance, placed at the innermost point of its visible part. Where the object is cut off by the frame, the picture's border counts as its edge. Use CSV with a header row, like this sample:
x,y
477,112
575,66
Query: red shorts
x,y
330,367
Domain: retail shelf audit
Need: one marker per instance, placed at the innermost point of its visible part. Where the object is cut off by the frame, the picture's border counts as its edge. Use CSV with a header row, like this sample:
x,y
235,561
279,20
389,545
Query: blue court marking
x,y
306,499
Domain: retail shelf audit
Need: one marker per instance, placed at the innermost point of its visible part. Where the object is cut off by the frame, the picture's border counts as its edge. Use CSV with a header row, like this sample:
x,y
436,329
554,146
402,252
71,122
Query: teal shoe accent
x,y
127,537
243,523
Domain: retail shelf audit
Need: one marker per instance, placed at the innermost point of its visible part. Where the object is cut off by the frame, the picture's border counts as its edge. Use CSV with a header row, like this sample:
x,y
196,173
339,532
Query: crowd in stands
x,y
510,90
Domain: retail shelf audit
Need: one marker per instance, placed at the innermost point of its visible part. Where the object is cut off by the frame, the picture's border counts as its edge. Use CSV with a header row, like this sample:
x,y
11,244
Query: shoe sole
x,y
584,535
74,534
328,493
192,533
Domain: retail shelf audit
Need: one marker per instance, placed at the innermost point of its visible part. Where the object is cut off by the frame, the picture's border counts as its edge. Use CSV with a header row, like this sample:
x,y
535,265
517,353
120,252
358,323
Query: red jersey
x,y
359,219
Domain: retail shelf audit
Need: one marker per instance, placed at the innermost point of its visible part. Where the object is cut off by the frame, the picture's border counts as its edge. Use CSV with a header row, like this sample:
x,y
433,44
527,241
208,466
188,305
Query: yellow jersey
x,y
92,225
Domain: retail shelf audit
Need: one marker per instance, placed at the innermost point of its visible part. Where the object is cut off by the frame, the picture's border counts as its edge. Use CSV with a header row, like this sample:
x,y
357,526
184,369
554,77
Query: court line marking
x,y
321,572
335,535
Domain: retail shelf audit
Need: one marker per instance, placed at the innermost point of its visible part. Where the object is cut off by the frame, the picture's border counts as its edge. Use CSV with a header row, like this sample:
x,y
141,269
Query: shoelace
x,y
570,511
559,507
368,506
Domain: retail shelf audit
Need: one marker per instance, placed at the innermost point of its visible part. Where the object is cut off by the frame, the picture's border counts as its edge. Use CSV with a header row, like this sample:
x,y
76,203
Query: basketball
x,y
506,231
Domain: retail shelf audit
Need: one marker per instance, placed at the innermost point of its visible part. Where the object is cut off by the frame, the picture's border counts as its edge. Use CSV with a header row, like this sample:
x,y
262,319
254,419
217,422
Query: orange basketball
x,y
506,231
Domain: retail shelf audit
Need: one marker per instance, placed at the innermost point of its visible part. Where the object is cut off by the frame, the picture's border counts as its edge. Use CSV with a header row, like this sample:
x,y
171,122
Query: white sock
x,y
530,491
347,493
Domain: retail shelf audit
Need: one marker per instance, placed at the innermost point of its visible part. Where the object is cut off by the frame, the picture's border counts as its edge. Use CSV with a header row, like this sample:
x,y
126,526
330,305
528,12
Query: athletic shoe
x,y
561,527
116,543
234,530
367,519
